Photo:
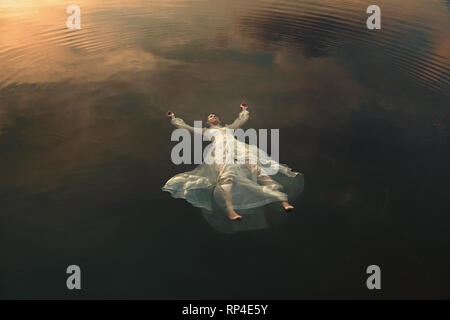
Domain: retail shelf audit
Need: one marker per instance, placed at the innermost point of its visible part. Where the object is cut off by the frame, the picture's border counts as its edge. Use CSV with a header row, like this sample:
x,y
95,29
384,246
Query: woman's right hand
x,y
171,115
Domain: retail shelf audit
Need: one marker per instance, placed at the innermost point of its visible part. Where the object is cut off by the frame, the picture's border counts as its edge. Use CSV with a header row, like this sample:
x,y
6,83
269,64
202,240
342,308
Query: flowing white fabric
x,y
246,183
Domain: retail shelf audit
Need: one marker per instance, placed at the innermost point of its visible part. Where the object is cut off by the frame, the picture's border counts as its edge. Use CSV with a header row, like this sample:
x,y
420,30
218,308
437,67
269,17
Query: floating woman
x,y
235,186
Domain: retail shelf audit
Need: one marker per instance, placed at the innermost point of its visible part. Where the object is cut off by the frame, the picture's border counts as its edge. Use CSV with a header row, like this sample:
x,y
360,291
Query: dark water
x,y
84,146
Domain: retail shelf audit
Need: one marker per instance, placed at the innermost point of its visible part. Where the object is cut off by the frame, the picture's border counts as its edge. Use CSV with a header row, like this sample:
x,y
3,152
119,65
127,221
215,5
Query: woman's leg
x,y
287,206
226,185
268,181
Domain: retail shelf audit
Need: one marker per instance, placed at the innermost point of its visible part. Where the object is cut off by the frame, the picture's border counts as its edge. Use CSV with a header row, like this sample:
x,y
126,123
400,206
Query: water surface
x,y
85,146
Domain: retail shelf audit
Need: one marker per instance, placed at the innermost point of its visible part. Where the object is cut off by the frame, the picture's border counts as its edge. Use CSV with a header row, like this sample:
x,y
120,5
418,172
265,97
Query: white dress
x,y
247,183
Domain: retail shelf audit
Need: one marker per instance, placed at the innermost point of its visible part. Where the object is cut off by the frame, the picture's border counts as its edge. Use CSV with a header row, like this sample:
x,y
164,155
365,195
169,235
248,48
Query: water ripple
x,y
414,39
408,38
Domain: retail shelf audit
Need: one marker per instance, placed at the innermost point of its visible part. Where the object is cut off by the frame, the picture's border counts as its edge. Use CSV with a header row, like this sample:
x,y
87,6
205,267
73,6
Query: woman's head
x,y
212,119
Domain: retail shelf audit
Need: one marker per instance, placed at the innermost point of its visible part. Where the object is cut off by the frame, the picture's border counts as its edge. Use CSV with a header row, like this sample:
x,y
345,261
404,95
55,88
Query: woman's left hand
x,y
171,115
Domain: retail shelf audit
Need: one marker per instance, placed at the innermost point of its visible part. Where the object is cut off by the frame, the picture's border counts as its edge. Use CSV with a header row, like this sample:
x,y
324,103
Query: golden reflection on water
x,y
68,87
85,142
36,46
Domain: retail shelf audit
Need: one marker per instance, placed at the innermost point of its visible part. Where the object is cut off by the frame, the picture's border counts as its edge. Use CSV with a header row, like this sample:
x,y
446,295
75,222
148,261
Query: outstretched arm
x,y
179,123
241,119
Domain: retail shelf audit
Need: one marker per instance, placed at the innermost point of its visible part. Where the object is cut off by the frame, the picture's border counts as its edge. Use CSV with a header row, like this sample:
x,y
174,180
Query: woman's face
x,y
213,119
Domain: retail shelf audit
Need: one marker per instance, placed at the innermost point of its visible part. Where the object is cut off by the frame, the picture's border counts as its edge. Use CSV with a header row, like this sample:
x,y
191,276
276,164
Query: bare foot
x,y
287,206
233,215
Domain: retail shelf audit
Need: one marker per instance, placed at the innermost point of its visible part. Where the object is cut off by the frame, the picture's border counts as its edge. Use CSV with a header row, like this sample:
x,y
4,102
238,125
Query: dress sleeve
x,y
179,123
241,119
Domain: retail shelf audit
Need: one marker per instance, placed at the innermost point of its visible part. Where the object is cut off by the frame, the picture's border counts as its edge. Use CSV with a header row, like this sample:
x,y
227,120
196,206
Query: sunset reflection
x,y
85,139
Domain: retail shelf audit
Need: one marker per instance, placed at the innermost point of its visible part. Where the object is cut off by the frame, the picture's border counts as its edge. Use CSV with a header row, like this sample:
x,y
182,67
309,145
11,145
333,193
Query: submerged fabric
x,y
249,183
